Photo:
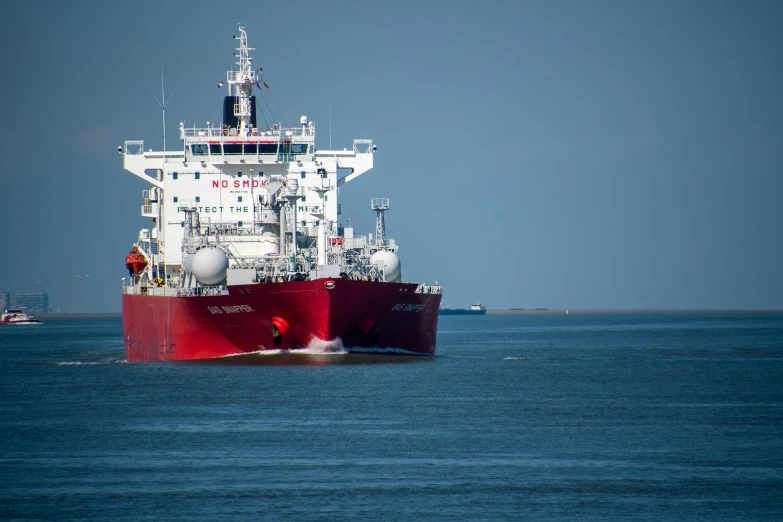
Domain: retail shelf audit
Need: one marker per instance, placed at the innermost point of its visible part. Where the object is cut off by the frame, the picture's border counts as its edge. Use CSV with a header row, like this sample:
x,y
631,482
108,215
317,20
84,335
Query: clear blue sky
x,y
565,154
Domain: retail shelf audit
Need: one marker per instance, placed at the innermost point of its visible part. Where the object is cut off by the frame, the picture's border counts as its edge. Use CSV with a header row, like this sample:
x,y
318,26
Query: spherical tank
x,y
390,263
187,262
209,266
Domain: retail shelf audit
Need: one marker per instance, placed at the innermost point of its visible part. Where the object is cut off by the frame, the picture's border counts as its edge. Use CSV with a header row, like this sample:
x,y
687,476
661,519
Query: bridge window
x,y
215,149
288,150
251,148
199,149
232,148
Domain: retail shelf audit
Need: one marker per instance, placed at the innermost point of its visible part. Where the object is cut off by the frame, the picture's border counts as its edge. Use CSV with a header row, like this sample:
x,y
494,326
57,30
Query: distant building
x,y
33,303
5,300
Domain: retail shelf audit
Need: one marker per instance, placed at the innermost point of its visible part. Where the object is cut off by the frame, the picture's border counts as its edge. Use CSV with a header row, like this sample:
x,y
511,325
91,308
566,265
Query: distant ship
x,y
18,316
476,309
245,253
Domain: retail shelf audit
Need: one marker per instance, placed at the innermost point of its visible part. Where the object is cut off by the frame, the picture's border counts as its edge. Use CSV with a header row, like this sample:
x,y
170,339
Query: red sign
x,y
239,183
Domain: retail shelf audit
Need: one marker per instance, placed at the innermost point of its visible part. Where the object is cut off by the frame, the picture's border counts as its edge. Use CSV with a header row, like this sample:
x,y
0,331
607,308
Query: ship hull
x,y
388,317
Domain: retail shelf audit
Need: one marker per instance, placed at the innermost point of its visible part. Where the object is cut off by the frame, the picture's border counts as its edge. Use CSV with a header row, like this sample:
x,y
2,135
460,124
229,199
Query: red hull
x,y
362,314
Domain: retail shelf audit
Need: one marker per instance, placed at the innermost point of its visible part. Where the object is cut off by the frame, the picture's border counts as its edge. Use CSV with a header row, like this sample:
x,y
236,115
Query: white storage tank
x,y
270,244
209,266
390,262
187,263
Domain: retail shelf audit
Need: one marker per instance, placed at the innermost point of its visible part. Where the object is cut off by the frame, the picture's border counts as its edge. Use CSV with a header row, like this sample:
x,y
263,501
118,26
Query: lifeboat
x,y
135,261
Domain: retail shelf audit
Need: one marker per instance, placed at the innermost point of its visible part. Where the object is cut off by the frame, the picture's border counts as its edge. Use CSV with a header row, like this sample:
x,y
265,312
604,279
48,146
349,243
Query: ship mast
x,y
380,205
158,192
240,85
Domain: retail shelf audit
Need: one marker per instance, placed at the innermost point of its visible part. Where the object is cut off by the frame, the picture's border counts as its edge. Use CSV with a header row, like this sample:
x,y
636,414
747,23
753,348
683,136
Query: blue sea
x,y
597,416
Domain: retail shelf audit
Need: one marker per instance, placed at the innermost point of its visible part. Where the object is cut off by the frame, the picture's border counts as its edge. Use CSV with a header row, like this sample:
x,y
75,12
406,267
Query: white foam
x,y
88,363
262,351
315,347
318,346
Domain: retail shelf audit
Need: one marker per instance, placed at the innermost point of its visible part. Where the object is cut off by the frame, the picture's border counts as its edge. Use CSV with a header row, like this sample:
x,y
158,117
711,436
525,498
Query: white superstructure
x,y
262,198
18,316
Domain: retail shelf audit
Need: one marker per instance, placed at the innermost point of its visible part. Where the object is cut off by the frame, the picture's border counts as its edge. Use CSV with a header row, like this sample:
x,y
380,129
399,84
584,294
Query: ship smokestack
x,y
231,120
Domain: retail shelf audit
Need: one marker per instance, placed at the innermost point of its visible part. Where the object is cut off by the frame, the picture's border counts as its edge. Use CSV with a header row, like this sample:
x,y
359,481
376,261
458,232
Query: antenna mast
x,y
240,84
163,104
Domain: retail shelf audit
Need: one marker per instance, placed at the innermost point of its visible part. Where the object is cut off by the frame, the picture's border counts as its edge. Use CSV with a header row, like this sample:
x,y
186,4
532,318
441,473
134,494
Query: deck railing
x,y
215,132
174,291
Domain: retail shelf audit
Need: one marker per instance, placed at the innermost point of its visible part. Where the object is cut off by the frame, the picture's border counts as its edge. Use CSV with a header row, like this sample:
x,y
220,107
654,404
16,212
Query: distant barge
x,y
476,309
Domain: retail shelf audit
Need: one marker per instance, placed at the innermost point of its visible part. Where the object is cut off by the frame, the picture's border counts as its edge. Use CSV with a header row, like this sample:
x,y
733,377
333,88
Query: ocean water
x,y
632,416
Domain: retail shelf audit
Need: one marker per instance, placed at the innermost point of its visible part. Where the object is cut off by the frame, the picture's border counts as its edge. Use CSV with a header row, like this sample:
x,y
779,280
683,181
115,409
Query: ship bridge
x,y
221,144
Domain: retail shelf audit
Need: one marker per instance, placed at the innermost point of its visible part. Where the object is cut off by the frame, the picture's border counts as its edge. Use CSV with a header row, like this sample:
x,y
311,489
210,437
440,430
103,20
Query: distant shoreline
x,y
79,315
636,311
512,311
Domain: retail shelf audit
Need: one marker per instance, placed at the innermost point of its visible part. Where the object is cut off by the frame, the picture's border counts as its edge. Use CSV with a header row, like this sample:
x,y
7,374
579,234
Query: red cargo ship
x,y
245,253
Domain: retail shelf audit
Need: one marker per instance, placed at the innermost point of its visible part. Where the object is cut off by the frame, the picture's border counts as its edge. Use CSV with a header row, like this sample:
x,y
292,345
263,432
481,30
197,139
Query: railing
x,y
214,132
134,147
150,207
363,146
202,291
379,203
355,242
429,289
174,291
